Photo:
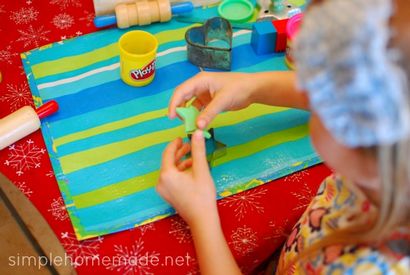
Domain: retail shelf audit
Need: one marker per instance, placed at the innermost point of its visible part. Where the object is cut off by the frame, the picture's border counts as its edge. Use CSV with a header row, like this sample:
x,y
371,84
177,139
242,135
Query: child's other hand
x,y
215,92
190,191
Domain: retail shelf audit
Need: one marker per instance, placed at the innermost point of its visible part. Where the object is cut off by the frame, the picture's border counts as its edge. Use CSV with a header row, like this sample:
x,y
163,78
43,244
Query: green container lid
x,y
237,11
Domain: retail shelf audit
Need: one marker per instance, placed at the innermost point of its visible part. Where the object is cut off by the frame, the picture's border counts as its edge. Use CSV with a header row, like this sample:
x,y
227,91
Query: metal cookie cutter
x,y
202,47
214,148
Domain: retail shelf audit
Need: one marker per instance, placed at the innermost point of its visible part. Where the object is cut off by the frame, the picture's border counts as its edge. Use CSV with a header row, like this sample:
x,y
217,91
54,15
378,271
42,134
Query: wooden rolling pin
x,y
142,13
23,122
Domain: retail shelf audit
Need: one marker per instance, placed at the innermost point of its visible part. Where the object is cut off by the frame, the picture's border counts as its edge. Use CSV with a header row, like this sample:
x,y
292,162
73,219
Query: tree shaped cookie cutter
x,y
214,148
201,53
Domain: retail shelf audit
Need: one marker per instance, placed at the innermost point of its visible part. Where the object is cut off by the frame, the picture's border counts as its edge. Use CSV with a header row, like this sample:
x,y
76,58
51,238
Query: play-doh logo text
x,y
144,73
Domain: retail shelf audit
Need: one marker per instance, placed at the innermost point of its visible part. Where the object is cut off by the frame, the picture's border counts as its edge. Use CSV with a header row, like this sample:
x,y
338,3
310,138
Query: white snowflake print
x,y
33,37
17,96
2,10
22,72
134,260
277,162
50,174
279,231
58,209
274,164
297,176
29,2
24,156
146,227
226,180
63,21
180,230
304,196
193,263
245,202
7,55
24,15
63,4
80,250
24,188
88,18
244,240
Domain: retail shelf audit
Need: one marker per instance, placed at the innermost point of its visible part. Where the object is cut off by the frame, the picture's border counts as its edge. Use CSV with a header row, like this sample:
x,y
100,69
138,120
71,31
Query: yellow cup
x,y
138,50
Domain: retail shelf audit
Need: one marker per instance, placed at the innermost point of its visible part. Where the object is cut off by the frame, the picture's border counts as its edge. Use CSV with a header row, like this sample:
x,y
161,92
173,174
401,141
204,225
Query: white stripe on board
x,y
172,50
241,32
99,70
116,66
78,77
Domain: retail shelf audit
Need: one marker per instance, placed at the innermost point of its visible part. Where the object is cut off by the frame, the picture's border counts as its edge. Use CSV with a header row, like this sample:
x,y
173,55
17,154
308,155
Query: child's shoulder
x,y
337,205
340,201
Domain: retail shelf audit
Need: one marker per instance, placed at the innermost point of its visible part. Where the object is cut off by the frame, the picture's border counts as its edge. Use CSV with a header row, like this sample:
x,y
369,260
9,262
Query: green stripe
x,y
117,190
140,183
76,62
94,156
112,126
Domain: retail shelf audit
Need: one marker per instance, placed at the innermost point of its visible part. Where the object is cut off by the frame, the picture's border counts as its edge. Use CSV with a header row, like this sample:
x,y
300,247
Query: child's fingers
x,y
187,90
185,164
199,164
169,154
216,106
182,151
198,104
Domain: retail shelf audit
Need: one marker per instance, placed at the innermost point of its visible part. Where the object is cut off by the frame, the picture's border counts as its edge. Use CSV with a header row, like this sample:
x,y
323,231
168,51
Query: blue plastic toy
x,y
263,38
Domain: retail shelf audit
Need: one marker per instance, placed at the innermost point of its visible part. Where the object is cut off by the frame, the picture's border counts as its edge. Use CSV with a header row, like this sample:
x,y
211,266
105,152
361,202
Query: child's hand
x,y
190,191
215,92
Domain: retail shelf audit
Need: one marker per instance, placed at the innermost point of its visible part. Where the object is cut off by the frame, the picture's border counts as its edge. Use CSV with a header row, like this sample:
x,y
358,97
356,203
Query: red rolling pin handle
x,y
47,109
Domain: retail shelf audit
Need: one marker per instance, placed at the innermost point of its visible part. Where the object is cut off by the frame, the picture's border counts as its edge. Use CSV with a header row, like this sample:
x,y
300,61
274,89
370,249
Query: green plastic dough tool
x,y
189,115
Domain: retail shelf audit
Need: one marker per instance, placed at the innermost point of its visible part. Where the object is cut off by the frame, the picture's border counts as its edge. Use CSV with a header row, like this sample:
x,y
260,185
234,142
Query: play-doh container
x,y
138,50
292,29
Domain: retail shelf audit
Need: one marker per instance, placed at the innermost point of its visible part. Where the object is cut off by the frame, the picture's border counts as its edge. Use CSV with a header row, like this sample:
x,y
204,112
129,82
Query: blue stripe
x,y
135,207
122,216
108,76
173,44
93,41
117,92
148,160
112,113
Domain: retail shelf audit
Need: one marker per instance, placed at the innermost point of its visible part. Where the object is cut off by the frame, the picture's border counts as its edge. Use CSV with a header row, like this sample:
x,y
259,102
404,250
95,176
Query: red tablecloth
x,y
255,222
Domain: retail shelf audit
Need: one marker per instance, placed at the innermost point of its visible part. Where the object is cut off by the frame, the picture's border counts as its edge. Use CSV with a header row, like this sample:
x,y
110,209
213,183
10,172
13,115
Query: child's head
x,y
353,61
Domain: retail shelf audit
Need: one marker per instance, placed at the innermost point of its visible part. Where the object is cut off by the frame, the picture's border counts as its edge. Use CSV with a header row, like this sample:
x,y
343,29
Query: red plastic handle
x,y
47,109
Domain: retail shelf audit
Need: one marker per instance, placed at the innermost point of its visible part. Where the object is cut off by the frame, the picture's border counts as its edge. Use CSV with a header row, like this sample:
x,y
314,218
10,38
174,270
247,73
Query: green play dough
x,y
189,115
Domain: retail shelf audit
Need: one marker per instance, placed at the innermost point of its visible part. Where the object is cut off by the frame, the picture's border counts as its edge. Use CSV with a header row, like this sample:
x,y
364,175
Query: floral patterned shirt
x,y
337,205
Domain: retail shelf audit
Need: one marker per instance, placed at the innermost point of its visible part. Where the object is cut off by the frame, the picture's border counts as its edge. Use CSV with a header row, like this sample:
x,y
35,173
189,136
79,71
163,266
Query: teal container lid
x,y
237,11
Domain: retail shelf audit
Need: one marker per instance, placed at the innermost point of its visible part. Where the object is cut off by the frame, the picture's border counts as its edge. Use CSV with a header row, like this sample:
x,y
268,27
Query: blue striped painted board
x,y
106,141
